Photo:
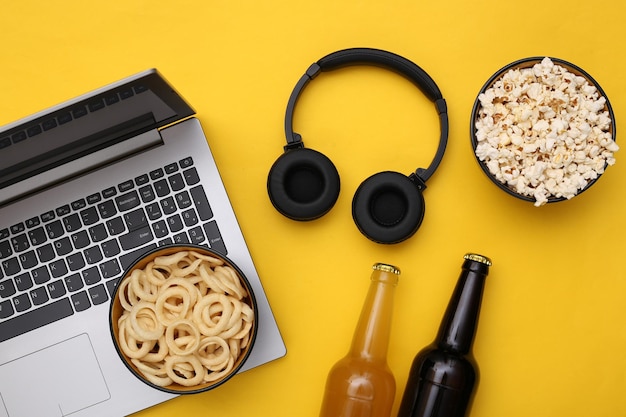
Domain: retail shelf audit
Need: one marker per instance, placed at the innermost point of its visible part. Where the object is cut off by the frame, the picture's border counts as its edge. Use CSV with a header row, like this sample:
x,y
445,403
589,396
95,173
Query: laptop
x,y
86,187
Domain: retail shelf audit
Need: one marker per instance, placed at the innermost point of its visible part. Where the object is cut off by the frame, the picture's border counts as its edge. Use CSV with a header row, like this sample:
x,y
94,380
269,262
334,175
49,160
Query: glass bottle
x,y
444,375
361,384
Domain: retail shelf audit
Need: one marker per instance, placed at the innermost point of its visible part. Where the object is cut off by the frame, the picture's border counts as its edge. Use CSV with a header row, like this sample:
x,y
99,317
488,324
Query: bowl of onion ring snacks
x,y
183,319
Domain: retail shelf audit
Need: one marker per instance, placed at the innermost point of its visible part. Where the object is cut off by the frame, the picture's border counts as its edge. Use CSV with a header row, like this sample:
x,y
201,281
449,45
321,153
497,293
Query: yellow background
x,y
551,339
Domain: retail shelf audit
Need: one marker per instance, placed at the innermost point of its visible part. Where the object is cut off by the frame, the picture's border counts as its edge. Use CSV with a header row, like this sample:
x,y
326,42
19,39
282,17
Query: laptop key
x,y
191,176
56,289
181,238
20,242
168,205
176,182
54,229
107,209
63,210
5,249
11,266
40,275
110,269
23,281
80,239
196,235
79,204
115,226
202,203
183,200
161,188
89,216
160,229
91,275
6,309
72,222
32,222
153,211
136,219
110,248
28,259
81,301
109,192
39,295
58,268
47,216
7,288
171,168
75,261
156,174
98,233
147,193
186,162
125,186
110,285
93,255
175,223
136,238
98,294
215,238
22,303
190,217
45,253
63,246
37,236
35,318
17,228
73,282
127,201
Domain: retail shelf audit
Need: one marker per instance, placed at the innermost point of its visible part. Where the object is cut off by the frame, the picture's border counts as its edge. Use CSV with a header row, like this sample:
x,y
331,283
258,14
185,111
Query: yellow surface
x,y
551,339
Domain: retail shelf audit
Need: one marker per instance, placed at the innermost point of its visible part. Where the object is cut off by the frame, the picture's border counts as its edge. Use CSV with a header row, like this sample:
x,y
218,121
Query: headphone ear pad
x,y
303,184
388,207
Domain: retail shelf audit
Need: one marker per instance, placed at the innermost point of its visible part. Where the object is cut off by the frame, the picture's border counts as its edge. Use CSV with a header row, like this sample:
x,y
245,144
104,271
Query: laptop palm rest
x,y
66,382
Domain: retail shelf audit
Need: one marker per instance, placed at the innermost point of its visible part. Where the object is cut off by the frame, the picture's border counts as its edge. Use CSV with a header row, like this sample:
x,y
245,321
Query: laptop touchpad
x,y
66,374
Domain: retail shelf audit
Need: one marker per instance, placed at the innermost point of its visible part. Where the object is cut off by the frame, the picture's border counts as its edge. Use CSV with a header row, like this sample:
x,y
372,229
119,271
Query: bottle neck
x,y
458,327
371,337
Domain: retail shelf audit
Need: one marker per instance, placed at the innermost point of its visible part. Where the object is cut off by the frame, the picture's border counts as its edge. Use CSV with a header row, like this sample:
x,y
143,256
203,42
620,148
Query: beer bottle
x,y
361,384
443,376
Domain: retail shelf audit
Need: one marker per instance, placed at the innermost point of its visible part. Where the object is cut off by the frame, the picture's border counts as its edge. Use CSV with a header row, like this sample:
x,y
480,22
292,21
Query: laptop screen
x,y
89,123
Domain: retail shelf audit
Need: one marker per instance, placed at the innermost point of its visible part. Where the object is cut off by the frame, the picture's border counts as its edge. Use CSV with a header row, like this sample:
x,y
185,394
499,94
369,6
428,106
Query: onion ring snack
x,y
183,319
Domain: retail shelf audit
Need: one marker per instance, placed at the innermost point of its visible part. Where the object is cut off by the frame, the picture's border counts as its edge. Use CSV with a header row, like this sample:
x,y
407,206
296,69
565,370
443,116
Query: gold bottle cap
x,y
477,258
386,268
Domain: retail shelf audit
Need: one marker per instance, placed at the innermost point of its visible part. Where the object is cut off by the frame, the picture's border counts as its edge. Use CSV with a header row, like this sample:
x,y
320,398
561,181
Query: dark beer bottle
x,y
444,375
361,384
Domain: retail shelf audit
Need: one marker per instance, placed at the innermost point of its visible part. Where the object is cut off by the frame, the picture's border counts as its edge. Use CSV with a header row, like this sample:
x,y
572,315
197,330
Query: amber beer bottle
x,y
361,384
443,375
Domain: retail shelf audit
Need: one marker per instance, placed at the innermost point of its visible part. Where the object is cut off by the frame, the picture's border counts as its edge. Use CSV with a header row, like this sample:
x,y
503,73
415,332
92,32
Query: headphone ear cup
x,y
303,184
388,207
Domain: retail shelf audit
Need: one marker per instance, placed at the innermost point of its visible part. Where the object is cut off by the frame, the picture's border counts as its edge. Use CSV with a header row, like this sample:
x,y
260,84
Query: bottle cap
x,y
477,258
386,268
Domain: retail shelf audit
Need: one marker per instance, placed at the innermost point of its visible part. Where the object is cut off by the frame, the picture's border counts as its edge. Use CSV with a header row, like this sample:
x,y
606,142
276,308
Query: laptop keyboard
x,y
69,259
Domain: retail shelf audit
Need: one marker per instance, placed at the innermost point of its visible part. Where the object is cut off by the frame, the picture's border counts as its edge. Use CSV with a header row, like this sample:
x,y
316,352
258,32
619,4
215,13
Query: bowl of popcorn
x,y
183,319
543,130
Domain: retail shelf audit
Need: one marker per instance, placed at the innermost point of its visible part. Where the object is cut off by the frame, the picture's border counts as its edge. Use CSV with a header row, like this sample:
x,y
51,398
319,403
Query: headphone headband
x,y
387,60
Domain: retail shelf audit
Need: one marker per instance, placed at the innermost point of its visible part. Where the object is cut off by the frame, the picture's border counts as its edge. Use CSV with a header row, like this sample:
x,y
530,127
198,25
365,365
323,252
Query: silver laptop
x,y
85,188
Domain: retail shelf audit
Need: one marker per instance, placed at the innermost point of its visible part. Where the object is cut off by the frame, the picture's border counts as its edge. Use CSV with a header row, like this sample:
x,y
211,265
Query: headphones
x,y
388,207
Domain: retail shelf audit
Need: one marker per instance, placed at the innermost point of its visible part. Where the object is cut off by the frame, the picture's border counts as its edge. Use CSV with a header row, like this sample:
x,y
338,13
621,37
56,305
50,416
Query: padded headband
x,y
384,59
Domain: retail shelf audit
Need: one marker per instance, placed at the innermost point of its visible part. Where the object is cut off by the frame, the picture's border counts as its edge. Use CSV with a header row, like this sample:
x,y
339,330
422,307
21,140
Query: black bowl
x,y
116,311
528,63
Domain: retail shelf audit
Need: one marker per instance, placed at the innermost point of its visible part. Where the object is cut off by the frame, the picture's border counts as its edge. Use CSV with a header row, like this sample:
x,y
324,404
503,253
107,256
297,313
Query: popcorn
x,y
544,131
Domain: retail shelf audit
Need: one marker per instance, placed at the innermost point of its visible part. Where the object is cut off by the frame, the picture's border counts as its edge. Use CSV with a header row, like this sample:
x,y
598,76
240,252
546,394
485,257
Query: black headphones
x,y
388,207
